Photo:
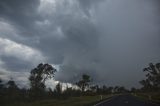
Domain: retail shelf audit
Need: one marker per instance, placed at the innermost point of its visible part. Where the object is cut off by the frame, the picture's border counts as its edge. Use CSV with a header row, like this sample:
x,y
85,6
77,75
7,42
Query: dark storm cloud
x,y
127,40
20,12
111,40
11,63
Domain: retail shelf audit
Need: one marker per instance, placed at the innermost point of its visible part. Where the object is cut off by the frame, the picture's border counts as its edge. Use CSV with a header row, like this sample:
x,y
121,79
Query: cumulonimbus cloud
x,y
111,40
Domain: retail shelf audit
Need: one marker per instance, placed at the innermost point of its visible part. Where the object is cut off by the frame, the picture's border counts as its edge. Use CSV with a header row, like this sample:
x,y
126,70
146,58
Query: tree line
x,y
11,92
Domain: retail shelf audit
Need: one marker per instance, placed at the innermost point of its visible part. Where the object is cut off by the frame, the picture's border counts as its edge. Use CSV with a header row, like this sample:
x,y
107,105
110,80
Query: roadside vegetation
x,y
150,96
81,93
151,85
72,101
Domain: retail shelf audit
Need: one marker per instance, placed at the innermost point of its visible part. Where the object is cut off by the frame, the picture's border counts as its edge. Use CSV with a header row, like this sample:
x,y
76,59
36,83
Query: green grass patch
x,y
73,101
150,96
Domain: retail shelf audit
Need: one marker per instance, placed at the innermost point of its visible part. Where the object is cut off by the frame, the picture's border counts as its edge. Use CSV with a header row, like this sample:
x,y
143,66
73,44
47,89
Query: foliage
x,y
10,92
152,81
84,82
58,90
37,79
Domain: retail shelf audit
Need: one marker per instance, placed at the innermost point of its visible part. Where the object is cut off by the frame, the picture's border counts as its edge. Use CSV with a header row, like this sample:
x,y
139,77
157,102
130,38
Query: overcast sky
x,y
111,40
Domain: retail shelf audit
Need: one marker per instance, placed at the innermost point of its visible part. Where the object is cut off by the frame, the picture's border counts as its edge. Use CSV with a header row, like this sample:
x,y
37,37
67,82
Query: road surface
x,y
126,100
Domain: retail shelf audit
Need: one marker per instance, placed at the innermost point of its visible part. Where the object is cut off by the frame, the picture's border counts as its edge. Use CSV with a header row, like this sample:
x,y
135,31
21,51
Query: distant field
x,y
73,101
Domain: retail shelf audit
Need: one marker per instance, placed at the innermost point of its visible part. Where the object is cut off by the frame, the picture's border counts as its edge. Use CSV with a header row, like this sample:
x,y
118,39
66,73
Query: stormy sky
x,y
111,40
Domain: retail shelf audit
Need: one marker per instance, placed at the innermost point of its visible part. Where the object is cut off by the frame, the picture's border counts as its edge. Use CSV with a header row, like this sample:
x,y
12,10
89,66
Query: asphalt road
x,y
126,100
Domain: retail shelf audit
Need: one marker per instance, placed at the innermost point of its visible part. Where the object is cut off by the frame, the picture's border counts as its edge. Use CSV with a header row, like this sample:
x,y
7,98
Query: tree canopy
x,y
39,75
152,80
84,82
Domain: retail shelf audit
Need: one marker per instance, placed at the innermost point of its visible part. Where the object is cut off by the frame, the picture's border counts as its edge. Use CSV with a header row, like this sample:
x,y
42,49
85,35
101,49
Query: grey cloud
x,y
15,64
21,14
127,40
111,40
88,4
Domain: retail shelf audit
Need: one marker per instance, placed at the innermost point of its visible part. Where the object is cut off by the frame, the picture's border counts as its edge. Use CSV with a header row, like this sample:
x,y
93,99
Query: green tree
x,y
58,89
1,84
12,92
115,89
38,76
11,84
152,80
84,82
146,85
122,89
133,90
94,88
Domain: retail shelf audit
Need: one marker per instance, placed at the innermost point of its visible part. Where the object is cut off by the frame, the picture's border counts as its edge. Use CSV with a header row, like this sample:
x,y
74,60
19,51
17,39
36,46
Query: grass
x,y
73,101
150,96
